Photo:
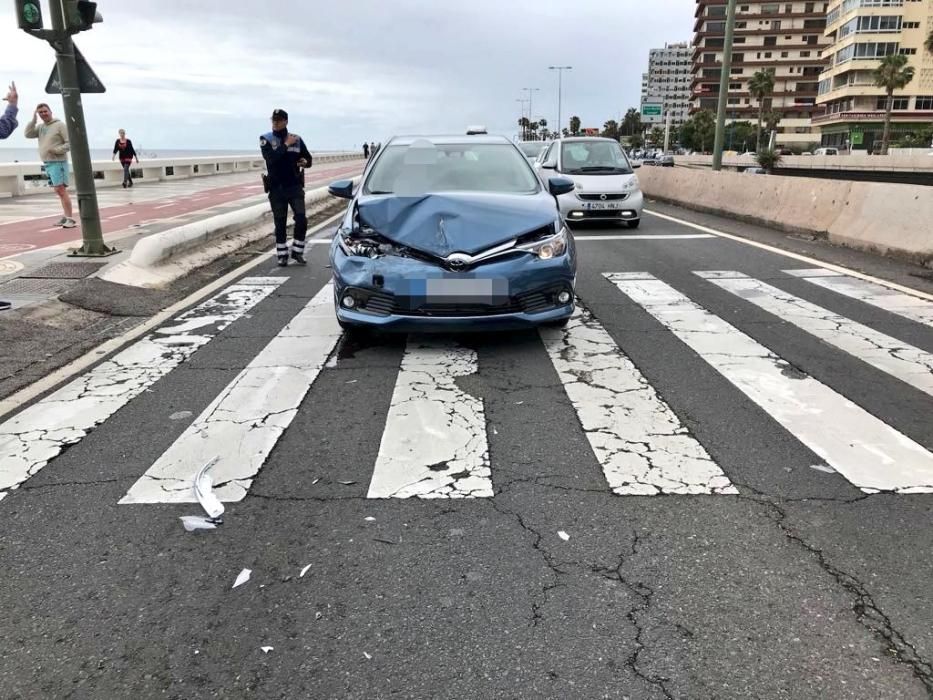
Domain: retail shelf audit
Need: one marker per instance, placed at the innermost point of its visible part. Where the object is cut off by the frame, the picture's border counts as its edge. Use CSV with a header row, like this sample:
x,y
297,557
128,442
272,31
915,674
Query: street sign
x,y
651,110
87,79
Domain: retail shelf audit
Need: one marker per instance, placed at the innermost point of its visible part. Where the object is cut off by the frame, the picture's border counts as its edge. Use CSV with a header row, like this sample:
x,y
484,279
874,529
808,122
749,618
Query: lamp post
x,y
724,86
560,75
531,92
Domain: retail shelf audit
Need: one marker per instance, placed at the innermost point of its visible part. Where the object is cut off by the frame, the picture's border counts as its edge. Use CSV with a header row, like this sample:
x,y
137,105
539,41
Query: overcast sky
x,y
207,73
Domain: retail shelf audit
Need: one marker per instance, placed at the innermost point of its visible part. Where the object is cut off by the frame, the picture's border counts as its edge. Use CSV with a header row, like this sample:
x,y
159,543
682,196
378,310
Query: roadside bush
x,y
768,160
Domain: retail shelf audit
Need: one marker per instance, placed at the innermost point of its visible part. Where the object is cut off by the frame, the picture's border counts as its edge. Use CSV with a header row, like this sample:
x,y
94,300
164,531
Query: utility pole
x,y
531,94
69,17
560,74
724,86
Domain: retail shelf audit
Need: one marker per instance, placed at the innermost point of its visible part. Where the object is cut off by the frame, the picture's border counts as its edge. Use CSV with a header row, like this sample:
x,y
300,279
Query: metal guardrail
x,y
19,179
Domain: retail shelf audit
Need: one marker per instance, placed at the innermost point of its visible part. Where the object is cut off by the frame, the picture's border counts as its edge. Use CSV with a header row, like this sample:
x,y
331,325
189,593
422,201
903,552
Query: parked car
x,y
452,234
826,151
606,188
532,149
666,161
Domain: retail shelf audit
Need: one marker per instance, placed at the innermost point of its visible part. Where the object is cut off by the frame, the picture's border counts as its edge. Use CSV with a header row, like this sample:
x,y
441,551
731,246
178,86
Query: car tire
x,y
634,223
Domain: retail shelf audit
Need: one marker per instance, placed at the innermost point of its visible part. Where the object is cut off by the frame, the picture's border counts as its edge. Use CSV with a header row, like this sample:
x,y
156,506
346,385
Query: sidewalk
x,y
33,249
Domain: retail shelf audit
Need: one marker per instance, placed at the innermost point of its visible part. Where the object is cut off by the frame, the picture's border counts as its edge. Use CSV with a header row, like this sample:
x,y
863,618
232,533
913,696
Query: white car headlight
x,y
550,247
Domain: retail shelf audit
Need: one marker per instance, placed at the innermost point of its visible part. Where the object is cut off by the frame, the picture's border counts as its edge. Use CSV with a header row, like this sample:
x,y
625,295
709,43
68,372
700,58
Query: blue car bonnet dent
x,y
440,224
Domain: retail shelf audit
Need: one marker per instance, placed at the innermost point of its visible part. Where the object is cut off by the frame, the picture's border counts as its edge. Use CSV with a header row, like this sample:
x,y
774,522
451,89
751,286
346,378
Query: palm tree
x,y
928,44
761,86
893,74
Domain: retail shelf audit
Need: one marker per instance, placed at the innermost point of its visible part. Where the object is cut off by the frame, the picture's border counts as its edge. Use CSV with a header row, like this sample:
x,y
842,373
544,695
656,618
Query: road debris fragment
x,y
304,571
181,415
563,535
243,577
266,650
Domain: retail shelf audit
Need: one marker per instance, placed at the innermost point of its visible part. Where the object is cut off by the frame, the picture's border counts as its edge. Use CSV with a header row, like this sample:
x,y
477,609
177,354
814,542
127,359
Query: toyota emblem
x,y
603,197
458,261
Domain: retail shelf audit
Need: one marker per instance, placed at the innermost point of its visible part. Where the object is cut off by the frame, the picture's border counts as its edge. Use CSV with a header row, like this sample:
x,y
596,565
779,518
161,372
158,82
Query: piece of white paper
x,y
304,571
266,650
563,535
242,578
204,492
192,523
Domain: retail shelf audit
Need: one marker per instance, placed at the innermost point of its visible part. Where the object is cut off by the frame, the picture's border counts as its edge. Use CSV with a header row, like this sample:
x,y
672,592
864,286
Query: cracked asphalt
x,y
798,585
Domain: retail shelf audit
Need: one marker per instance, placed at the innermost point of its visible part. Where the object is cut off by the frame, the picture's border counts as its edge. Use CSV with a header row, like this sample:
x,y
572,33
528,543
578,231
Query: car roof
x,y
572,139
449,140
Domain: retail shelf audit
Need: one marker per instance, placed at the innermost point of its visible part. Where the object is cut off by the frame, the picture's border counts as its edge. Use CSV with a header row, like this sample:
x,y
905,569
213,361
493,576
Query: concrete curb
x,y
162,258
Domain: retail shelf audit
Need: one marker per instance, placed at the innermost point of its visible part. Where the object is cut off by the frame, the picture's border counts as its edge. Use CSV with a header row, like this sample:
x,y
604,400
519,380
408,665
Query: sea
x,y
31,155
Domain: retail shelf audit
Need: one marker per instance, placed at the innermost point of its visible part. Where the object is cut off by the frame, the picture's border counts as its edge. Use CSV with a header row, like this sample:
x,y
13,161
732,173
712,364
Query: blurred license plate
x,y
466,290
602,205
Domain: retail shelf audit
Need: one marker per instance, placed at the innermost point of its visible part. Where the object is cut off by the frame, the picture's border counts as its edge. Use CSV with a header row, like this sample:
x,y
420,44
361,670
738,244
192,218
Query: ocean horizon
x,y
31,155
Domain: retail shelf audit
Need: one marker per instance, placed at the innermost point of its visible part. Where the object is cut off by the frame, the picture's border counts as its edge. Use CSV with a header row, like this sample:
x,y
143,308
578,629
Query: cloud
x,y
207,74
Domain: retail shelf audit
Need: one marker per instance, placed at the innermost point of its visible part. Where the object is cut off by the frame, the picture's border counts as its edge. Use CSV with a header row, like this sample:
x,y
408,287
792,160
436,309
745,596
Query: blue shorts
x,y
57,170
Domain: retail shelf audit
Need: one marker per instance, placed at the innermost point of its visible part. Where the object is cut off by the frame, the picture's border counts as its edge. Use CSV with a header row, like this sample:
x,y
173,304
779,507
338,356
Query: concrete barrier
x,y
19,179
890,219
162,258
914,162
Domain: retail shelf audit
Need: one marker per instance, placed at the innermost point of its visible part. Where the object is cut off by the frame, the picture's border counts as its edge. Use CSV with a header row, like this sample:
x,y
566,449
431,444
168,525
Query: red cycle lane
x,y
42,232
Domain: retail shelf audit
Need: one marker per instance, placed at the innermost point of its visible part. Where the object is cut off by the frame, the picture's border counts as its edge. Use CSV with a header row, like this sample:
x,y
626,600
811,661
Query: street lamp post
x,y
560,74
531,93
724,86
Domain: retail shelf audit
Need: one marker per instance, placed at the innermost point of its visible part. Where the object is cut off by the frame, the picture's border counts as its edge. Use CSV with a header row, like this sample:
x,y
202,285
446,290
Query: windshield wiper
x,y
379,192
596,168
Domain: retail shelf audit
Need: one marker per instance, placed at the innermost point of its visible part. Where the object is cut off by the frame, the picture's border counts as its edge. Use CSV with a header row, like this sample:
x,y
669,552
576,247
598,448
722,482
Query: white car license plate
x,y
465,290
602,205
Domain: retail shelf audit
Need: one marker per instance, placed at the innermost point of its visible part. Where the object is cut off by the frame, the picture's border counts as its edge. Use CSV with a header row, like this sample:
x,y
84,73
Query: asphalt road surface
x,y
716,482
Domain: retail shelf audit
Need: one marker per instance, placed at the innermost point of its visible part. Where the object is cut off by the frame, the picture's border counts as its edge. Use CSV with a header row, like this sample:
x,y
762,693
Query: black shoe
x,y
130,184
282,262
5,305
299,258
124,185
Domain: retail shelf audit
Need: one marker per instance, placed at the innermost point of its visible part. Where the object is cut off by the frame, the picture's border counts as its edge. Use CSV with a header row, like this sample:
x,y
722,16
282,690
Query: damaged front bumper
x,y
404,294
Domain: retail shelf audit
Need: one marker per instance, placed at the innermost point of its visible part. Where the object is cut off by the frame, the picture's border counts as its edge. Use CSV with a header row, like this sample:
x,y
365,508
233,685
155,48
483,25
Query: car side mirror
x,y
635,165
559,185
549,166
341,188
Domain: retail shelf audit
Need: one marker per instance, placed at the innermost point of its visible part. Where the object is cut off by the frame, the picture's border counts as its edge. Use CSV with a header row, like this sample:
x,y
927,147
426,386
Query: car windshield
x,y
425,167
597,157
531,149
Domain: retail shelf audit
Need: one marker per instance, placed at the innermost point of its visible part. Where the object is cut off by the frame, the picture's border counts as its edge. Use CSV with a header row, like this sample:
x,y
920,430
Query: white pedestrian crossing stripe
x,y
243,424
642,446
906,305
434,444
909,364
870,454
39,433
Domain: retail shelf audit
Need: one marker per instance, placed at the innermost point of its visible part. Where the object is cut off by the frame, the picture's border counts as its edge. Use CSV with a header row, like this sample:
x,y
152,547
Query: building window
x,y
911,25
767,54
898,103
804,54
870,50
784,54
770,41
739,40
808,7
924,103
908,52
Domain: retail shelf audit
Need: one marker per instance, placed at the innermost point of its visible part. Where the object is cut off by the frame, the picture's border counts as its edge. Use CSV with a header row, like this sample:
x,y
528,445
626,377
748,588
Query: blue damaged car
x,y
452,234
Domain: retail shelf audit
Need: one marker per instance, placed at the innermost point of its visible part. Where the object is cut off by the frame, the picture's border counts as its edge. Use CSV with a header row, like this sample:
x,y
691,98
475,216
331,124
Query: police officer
x,y
286,157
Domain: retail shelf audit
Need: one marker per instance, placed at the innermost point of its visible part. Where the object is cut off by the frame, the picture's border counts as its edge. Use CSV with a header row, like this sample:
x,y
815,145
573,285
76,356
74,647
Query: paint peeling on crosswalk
x,y
643,447
32,438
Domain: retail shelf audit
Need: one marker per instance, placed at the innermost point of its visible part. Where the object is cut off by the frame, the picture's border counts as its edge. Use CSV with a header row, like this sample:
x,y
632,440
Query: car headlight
x,y
630,186
552,246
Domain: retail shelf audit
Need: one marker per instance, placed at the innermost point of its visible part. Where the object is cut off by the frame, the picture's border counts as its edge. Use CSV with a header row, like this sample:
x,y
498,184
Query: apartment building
x,y
667,83
788,37
861,33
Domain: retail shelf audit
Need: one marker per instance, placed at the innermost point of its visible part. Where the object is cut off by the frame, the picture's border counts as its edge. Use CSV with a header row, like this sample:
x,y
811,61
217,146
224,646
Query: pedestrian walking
x,y
124,148
365,150
53,150
286,158
372,148
8,125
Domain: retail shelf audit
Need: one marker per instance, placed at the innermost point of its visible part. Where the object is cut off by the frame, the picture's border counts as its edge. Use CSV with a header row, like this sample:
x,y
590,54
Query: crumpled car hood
x,y
441,224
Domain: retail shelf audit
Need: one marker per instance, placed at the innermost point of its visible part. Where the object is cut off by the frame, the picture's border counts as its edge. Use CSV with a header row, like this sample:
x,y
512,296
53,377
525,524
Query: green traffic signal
x,y
29,15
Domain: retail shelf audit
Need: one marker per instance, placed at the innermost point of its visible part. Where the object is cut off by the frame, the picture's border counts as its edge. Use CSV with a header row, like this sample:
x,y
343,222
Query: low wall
x,y
18,179
913,162
880,217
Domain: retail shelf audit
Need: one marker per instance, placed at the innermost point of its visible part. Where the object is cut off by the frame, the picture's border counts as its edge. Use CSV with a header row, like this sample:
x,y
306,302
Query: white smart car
x,y
606,188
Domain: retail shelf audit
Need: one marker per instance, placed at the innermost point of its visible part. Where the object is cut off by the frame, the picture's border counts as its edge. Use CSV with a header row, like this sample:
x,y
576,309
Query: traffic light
x,y
81,15
29,15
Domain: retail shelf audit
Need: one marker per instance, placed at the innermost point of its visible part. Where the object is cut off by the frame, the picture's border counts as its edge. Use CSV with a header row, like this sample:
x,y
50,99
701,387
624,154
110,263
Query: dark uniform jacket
x,y
282,161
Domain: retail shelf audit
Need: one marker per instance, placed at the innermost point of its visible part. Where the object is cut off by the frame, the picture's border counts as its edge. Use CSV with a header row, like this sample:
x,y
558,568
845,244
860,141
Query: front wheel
x,y
633,223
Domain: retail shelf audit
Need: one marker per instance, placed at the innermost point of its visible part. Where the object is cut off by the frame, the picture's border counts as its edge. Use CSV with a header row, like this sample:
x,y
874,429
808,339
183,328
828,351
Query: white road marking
x,y
118,216
642,446
787,254
900,360
434,442
873,456
909,306
29,440
164,206
644,237
46,230
14,401
242,425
